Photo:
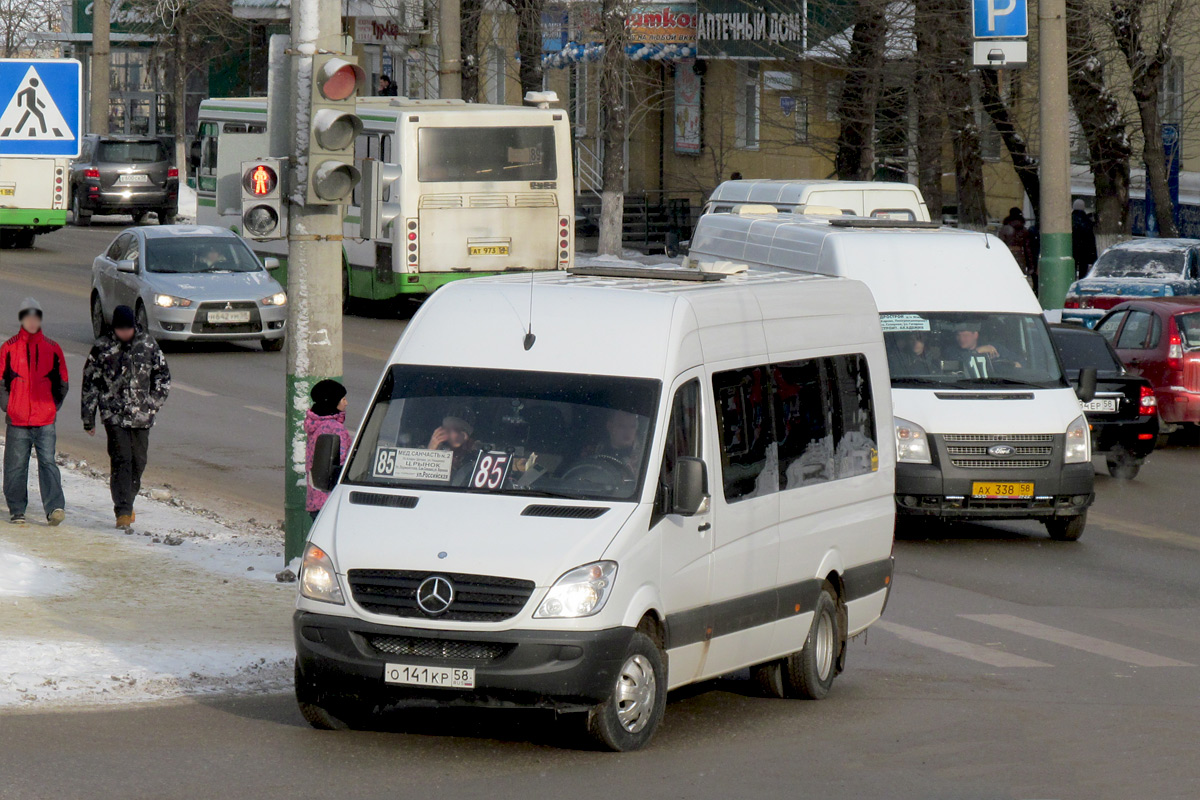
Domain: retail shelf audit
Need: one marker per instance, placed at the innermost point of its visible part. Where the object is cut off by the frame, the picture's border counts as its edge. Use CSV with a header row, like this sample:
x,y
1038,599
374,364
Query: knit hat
x,y
325,396
123,317
461,418
29,306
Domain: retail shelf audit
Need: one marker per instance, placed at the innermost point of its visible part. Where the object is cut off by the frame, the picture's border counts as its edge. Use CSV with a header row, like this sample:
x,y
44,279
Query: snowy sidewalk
x,y
183,605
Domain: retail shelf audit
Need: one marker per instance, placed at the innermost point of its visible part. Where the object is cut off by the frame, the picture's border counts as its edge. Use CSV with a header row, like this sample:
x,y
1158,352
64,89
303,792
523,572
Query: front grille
x,y
477,598
437,648
201,325
998,438
999,463
981,450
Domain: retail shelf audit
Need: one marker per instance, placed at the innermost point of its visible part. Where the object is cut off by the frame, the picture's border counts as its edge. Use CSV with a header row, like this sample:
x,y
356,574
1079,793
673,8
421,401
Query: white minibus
x,y
577,491
986,423
876,199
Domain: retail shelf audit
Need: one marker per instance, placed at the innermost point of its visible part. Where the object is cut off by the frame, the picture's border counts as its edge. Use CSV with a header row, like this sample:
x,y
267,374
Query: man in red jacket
x,y
33,385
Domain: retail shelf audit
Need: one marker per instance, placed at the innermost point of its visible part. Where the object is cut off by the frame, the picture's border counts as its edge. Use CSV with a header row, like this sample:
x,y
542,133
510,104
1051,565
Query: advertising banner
x,y
688,86
761,29
666,23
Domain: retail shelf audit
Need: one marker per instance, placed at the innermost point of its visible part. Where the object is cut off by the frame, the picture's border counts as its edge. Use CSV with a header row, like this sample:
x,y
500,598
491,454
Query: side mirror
x,y
127,265
271,263
326,462
689,495
1085,390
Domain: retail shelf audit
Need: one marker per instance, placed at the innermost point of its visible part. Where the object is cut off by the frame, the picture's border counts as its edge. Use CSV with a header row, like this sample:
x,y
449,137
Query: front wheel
x,y
99,326
143,321
1066,529
273,345
629,717
320,713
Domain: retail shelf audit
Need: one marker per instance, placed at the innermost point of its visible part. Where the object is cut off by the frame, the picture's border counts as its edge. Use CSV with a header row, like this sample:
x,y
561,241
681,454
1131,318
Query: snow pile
x,y
22,576
187,203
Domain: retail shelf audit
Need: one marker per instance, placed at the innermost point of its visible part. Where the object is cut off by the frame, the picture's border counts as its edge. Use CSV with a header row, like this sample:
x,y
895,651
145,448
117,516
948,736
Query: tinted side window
x,y
1109,327
683,430
749,465
116,248
803,414
855,451
1135,332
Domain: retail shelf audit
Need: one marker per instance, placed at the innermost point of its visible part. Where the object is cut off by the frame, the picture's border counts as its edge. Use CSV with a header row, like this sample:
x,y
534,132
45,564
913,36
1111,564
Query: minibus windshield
x,y
970,350
541,434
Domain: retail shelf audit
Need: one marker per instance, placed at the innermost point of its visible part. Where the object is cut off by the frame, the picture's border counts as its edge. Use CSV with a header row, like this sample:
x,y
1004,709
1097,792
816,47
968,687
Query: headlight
x,y
912,443
277,299
1079,443
579,593
318,580
170,301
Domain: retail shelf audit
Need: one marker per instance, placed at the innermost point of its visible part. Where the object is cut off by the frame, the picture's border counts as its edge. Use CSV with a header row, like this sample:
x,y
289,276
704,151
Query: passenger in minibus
x,y
455,434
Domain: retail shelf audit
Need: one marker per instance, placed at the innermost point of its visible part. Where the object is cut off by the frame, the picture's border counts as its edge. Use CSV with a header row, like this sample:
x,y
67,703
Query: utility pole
x,y
101,63
450,50
314,285
1056,264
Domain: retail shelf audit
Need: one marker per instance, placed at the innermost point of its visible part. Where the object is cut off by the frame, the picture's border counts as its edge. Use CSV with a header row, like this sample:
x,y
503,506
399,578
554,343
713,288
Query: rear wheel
x,y
99,326
166,216
630,716
81,218
139,217
1123,466
809,673
1066,529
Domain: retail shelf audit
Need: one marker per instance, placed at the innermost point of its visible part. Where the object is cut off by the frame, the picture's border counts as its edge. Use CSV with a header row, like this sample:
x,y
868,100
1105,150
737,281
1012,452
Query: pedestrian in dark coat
x,y
126,380
1083,239
33,385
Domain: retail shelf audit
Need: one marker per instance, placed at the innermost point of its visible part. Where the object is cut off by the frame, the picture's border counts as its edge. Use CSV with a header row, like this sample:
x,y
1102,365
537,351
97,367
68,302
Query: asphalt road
x,y
1006,665
219,440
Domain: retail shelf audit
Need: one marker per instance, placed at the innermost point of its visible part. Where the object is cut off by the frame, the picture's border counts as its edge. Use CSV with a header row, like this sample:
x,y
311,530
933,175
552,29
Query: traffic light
x,y
337,80
380,193
264,215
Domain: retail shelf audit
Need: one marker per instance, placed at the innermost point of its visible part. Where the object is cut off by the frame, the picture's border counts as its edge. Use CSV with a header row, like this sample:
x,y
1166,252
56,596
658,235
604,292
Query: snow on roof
x,y
1157,245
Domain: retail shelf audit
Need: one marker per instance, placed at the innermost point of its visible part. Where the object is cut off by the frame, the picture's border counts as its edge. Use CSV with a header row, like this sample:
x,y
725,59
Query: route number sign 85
x,y
490,470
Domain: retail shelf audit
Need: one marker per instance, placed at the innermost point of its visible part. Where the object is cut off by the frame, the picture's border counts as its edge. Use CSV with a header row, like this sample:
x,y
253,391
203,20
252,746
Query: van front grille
x,y
997,438
437,648
999,463
477,598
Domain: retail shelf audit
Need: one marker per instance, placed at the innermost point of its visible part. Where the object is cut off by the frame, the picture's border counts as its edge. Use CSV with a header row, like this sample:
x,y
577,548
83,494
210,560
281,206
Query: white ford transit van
x,y
986,424
877,199
662,477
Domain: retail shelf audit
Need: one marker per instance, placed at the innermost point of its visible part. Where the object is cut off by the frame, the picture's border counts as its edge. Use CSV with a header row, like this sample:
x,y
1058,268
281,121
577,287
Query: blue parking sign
x,y
41,107
1000,19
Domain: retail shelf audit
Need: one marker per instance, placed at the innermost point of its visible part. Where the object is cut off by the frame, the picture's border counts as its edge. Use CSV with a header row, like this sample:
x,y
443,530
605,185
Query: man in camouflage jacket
x,y
126,379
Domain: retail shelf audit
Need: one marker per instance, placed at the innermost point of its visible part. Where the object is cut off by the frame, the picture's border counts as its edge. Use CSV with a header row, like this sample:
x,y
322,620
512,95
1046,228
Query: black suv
x,y
124,175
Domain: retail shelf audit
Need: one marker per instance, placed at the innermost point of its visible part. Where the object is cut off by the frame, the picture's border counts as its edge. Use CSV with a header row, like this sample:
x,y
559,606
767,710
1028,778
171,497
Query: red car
x,y
1160,340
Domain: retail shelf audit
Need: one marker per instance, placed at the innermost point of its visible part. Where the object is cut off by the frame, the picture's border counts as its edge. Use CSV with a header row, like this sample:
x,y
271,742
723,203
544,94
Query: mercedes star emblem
x,y
435,595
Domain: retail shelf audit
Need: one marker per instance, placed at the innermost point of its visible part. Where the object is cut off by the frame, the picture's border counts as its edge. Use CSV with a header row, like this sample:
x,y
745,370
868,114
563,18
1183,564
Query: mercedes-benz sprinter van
x,y
986,425
578,491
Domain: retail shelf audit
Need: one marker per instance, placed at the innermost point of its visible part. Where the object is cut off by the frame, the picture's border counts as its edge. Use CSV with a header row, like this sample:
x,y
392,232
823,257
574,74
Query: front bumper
x,y
924,490
190,325
565,670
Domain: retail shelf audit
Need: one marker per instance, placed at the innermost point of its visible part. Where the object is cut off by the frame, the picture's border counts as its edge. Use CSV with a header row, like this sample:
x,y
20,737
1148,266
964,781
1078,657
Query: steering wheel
x,y
608,471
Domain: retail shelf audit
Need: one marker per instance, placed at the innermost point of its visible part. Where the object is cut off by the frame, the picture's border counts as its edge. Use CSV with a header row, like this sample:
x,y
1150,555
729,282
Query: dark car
x,y
1147,268
1160,341
124,175
1123,414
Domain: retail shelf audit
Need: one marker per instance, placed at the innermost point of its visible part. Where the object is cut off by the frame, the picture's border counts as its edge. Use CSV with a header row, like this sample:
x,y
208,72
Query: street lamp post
x,y
1056,265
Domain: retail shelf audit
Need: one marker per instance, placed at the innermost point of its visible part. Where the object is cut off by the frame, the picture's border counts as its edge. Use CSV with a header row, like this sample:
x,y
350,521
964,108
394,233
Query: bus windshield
x,y
540,434
970,350
448,155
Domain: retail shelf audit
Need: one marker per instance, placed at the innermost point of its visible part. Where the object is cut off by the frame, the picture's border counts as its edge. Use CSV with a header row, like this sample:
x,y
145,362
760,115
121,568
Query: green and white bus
x,y
483,189
33,198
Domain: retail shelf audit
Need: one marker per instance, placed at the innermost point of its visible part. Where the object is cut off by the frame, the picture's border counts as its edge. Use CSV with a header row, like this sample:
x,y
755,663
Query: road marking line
x,y
270,411
1078,641
192,389
956,647
1143,531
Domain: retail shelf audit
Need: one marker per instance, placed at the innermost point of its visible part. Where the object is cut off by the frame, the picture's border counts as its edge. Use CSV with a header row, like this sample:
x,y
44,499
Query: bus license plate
x,y
489,250
440,677
1001,491
1103,404
228,317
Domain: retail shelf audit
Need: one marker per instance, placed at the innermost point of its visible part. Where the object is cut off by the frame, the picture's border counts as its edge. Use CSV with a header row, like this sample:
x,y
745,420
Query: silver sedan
x,y
189,283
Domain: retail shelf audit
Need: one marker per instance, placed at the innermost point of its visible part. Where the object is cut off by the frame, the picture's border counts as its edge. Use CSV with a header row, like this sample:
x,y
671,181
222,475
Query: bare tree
x,y
931,122
614,71
960,116
1025,165
529,41
472,11
1143,31
19,19
860,92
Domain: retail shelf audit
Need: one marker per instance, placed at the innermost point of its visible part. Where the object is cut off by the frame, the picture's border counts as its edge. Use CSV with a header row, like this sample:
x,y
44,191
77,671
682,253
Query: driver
x,y
210,257
454,434
622,444
970,350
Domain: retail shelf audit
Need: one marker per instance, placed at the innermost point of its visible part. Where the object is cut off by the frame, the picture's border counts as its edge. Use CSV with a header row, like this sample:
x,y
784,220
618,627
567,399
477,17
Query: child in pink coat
x,y
327,415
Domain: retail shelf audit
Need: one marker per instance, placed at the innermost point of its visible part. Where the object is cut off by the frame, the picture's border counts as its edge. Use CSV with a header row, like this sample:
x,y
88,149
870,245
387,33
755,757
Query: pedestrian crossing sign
x,y
41,107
